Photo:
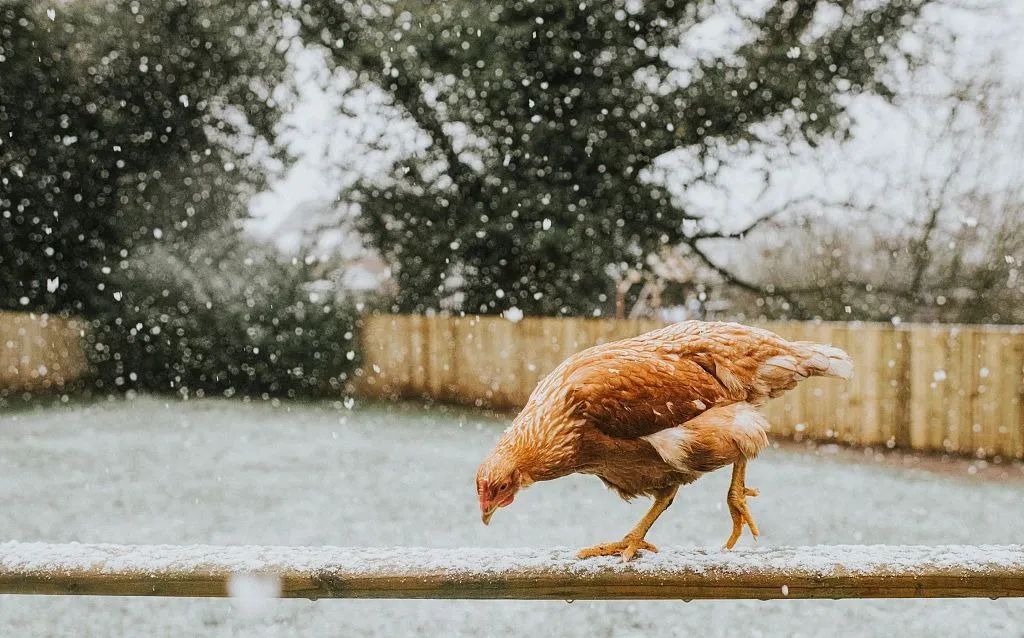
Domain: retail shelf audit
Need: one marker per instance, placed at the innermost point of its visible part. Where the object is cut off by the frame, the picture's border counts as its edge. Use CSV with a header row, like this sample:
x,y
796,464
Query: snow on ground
x,y
227,472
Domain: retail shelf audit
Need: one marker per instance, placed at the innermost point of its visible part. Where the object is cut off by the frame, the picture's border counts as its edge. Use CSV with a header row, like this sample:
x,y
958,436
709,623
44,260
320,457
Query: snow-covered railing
x,y
842,571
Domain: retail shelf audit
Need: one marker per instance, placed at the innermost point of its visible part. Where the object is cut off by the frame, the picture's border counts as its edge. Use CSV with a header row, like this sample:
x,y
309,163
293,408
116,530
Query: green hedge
x,y
247,326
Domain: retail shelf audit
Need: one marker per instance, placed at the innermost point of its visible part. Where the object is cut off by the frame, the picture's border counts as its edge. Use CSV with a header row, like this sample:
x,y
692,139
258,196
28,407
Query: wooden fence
x,y
840,571
39,352
946,388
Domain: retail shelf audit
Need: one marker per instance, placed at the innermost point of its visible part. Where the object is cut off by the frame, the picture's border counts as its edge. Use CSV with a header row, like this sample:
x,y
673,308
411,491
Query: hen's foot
x,y
627,548
740,515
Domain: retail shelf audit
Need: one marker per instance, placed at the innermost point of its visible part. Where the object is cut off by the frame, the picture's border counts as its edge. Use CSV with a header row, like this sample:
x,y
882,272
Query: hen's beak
x,y
486,515
487,510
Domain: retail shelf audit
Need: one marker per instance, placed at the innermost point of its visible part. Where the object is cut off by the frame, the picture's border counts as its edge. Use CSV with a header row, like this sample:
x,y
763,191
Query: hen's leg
x,y
634,540
737,499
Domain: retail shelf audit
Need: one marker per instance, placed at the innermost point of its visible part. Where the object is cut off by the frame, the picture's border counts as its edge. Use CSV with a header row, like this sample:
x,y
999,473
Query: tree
x,y
121,125
545,118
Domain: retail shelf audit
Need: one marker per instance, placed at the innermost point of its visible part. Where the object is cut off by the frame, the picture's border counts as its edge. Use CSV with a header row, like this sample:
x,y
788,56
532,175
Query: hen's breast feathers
x,y
662,379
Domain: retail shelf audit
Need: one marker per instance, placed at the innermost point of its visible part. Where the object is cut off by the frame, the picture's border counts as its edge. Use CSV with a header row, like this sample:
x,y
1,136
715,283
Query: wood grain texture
x,y
475,573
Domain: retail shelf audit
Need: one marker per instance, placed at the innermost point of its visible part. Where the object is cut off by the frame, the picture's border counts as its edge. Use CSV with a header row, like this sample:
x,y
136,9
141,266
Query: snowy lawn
x,y
227,472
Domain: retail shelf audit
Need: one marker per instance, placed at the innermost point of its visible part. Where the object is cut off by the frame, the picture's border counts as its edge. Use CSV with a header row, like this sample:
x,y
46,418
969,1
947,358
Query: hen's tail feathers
x,y
806,359
827,361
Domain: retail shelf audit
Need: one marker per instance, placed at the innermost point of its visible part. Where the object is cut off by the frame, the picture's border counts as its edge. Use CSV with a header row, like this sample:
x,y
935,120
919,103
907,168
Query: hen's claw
x,y
627,548
740,516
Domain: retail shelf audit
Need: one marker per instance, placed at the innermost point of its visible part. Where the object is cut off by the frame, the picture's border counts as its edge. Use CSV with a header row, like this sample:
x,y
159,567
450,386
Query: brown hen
x,y
654,412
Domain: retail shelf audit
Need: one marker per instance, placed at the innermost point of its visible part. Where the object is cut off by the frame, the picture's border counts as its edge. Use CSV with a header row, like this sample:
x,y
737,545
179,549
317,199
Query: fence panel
x,y
39,352
946,388
957,389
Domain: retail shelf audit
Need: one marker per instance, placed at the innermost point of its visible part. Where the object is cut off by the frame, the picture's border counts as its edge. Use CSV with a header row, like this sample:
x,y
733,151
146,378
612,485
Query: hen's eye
x,y
503,486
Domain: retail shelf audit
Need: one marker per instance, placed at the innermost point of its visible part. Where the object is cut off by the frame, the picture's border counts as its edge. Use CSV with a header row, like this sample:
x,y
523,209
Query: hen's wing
x,y
628,393
660,379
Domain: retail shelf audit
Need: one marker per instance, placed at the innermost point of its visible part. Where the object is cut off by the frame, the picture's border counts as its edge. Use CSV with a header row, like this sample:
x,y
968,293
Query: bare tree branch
x,y
739,282
772,214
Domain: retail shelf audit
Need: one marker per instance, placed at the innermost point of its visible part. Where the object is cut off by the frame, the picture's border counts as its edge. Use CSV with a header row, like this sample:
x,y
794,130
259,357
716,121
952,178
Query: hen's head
x,y
539,446
497,482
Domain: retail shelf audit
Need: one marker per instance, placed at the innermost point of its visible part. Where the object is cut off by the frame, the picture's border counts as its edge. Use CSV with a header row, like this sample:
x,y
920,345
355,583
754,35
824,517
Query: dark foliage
x,y
563,107
121,125
127,139
201,323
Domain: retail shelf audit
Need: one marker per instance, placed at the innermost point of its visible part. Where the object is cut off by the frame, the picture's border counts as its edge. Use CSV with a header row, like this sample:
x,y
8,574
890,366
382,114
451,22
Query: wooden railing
x,y
944,388
39,352
676,574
